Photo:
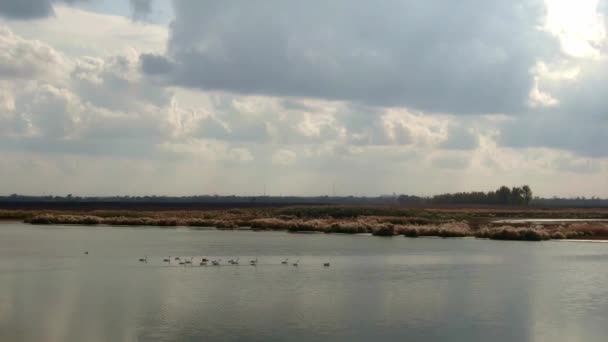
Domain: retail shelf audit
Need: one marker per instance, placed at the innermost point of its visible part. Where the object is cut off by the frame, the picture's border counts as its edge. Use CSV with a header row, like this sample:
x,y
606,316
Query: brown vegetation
x,y
379,221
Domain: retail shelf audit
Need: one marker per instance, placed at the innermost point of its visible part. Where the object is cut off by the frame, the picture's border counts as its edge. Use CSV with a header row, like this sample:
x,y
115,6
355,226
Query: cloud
x,y
586,138
208,150
460,138
239,128
119,34
368,97
457,57
52,103
141,8
155,64
578,124
26,59
602,7
7,101
284,157
577,165
53,112
582,95
115,83
29,9
26,9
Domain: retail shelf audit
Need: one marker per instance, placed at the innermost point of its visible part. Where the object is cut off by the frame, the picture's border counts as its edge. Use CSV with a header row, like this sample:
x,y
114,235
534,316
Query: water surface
x,y
549,220
384,289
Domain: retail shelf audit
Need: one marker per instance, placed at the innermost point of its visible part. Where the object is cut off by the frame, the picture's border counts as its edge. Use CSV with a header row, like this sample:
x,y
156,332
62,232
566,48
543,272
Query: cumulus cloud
x,y
26,59
51,103
53,111
115,82
459,57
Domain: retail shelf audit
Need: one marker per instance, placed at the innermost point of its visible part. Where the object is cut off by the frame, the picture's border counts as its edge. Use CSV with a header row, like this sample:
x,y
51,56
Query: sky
x,y
185,97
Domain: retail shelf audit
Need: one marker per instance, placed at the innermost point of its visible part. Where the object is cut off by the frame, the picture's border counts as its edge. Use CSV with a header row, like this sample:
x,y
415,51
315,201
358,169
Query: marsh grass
x,y
339,219
15,214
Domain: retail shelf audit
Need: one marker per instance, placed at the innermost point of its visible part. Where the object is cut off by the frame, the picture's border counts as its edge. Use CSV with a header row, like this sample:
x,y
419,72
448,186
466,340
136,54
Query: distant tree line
x,y
203,199
516,196
580,201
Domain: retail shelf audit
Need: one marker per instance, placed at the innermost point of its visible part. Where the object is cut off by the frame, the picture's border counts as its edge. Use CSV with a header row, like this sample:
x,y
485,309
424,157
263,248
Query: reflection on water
x,y
376,288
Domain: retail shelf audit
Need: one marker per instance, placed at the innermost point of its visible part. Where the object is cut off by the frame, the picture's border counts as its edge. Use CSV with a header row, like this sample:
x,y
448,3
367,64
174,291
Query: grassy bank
x,y
380,221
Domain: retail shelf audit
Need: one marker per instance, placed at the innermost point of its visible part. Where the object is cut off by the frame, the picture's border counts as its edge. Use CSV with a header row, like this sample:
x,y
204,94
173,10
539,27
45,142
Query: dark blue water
x,y
384,289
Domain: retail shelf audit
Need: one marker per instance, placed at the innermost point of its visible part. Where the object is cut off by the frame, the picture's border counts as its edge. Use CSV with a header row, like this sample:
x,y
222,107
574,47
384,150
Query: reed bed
x,y
417,224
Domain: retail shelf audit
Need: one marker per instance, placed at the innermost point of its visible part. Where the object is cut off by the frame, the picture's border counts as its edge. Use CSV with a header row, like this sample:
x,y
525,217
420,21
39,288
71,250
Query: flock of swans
x,y
218,262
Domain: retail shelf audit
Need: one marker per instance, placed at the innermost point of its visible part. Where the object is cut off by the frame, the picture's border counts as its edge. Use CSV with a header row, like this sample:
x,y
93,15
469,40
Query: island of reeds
x,y
375,220
491,215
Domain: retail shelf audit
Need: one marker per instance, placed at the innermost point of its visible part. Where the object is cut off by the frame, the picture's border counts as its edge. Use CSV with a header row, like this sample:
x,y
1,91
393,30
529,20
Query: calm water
x,y
540,220
384,289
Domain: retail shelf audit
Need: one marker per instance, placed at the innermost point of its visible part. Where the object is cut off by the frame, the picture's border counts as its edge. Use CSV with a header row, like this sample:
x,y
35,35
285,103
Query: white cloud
x,y
27,59
78,33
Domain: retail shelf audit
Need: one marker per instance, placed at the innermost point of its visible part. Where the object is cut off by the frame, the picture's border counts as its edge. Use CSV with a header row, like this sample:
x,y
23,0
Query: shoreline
x,y
9,220
598,239
562,224
603,240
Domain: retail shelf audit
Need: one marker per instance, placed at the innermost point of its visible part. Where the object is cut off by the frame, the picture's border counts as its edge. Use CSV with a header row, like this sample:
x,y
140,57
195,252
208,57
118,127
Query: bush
x,y
511,233
557,235
410,232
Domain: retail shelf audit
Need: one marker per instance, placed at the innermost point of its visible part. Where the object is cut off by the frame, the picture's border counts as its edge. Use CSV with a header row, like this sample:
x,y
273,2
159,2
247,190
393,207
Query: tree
x,y
504,195
517,197
527,193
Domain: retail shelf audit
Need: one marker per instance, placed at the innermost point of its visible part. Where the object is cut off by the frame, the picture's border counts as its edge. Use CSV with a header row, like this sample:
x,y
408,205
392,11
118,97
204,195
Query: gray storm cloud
x,y
29,9
578,124
460,57
141,8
